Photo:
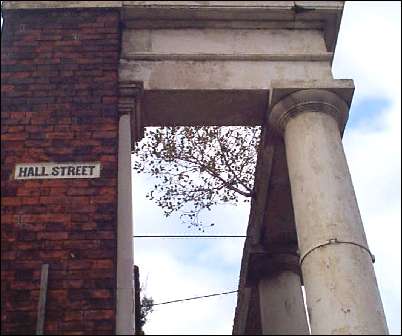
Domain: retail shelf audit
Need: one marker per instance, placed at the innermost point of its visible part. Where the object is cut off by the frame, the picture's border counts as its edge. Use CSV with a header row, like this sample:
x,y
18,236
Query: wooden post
x,y
42,300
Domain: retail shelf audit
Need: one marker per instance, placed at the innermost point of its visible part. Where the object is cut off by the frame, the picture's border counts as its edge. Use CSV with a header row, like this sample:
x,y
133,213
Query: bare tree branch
x,y
198,167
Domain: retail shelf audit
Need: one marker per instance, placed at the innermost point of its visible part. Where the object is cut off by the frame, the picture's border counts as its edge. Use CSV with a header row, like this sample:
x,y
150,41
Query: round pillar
x,y
341,289
281,298
125,307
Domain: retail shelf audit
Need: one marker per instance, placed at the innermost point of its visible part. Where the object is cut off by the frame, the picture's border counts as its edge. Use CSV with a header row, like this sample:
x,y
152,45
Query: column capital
x,y
264,264
291,99
130,97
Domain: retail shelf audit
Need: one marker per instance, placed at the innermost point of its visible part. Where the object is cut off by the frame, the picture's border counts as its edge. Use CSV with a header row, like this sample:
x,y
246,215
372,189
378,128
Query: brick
x,y
24,274
60,105
44,218
82,191
53,245
81,244
84,226
73,315
10,201
107,263
55,227
28,245
23,265
28,255
59,135
55,198
36,227
53,235
8,255
99,314
100,235
58,255
101,294
26,236
79,218
80,264
34,285
24,191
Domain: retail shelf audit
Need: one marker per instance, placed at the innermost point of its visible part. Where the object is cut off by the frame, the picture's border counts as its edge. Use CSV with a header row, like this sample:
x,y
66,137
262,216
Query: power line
x,y
195,298
190,236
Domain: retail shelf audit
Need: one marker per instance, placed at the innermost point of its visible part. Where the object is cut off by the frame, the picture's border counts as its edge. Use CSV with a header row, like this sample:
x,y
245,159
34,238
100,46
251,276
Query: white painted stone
x,y
341,288
223,41
281,305
125,308
207,75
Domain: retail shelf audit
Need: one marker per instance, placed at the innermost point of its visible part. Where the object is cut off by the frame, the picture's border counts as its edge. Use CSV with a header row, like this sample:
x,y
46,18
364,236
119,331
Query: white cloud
x,y
369,51
182,268
170,278
369,48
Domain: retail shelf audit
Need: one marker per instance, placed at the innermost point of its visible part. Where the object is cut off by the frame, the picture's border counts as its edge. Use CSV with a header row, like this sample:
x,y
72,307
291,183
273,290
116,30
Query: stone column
x,y
281,298
341,288
130,131
125,261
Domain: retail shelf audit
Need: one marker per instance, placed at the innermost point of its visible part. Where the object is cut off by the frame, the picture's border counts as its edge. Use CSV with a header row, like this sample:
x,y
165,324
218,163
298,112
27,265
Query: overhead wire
x,y
195,298
190,236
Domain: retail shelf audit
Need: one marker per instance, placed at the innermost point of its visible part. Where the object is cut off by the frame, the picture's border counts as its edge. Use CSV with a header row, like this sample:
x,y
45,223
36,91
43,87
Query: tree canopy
x,y
199,167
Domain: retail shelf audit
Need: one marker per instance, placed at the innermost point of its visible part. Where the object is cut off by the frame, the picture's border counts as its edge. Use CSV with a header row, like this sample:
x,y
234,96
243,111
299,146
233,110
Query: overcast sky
x,y
369,52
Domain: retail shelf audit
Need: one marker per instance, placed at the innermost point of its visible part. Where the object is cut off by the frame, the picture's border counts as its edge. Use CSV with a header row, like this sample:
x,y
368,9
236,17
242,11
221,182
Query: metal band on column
x,y
311,122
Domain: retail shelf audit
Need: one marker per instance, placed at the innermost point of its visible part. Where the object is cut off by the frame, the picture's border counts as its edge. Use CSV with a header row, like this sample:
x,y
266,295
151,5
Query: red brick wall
x,y
59,104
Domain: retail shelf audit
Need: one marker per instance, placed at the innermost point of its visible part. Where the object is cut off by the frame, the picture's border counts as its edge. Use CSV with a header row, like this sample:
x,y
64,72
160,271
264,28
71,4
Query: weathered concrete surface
x,y
341,289
212,92
204,107
344,88
282,306
278,230
270,251
193,51
220,75
125,308
223,41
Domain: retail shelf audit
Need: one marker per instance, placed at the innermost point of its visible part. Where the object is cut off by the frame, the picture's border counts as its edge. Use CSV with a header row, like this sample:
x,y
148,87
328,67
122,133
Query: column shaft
x,y
341,288
125,277
281,305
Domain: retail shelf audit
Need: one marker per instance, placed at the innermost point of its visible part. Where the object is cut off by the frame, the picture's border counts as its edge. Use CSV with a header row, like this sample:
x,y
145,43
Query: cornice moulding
x,y
288,12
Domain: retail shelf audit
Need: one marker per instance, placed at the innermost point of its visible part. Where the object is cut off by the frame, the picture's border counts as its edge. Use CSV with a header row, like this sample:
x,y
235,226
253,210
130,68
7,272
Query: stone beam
x,y
204,107
325,15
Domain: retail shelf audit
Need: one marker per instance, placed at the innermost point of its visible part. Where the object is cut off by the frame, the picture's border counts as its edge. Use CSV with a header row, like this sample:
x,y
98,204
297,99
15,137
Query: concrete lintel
x,y
344,88
204,107
285,57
